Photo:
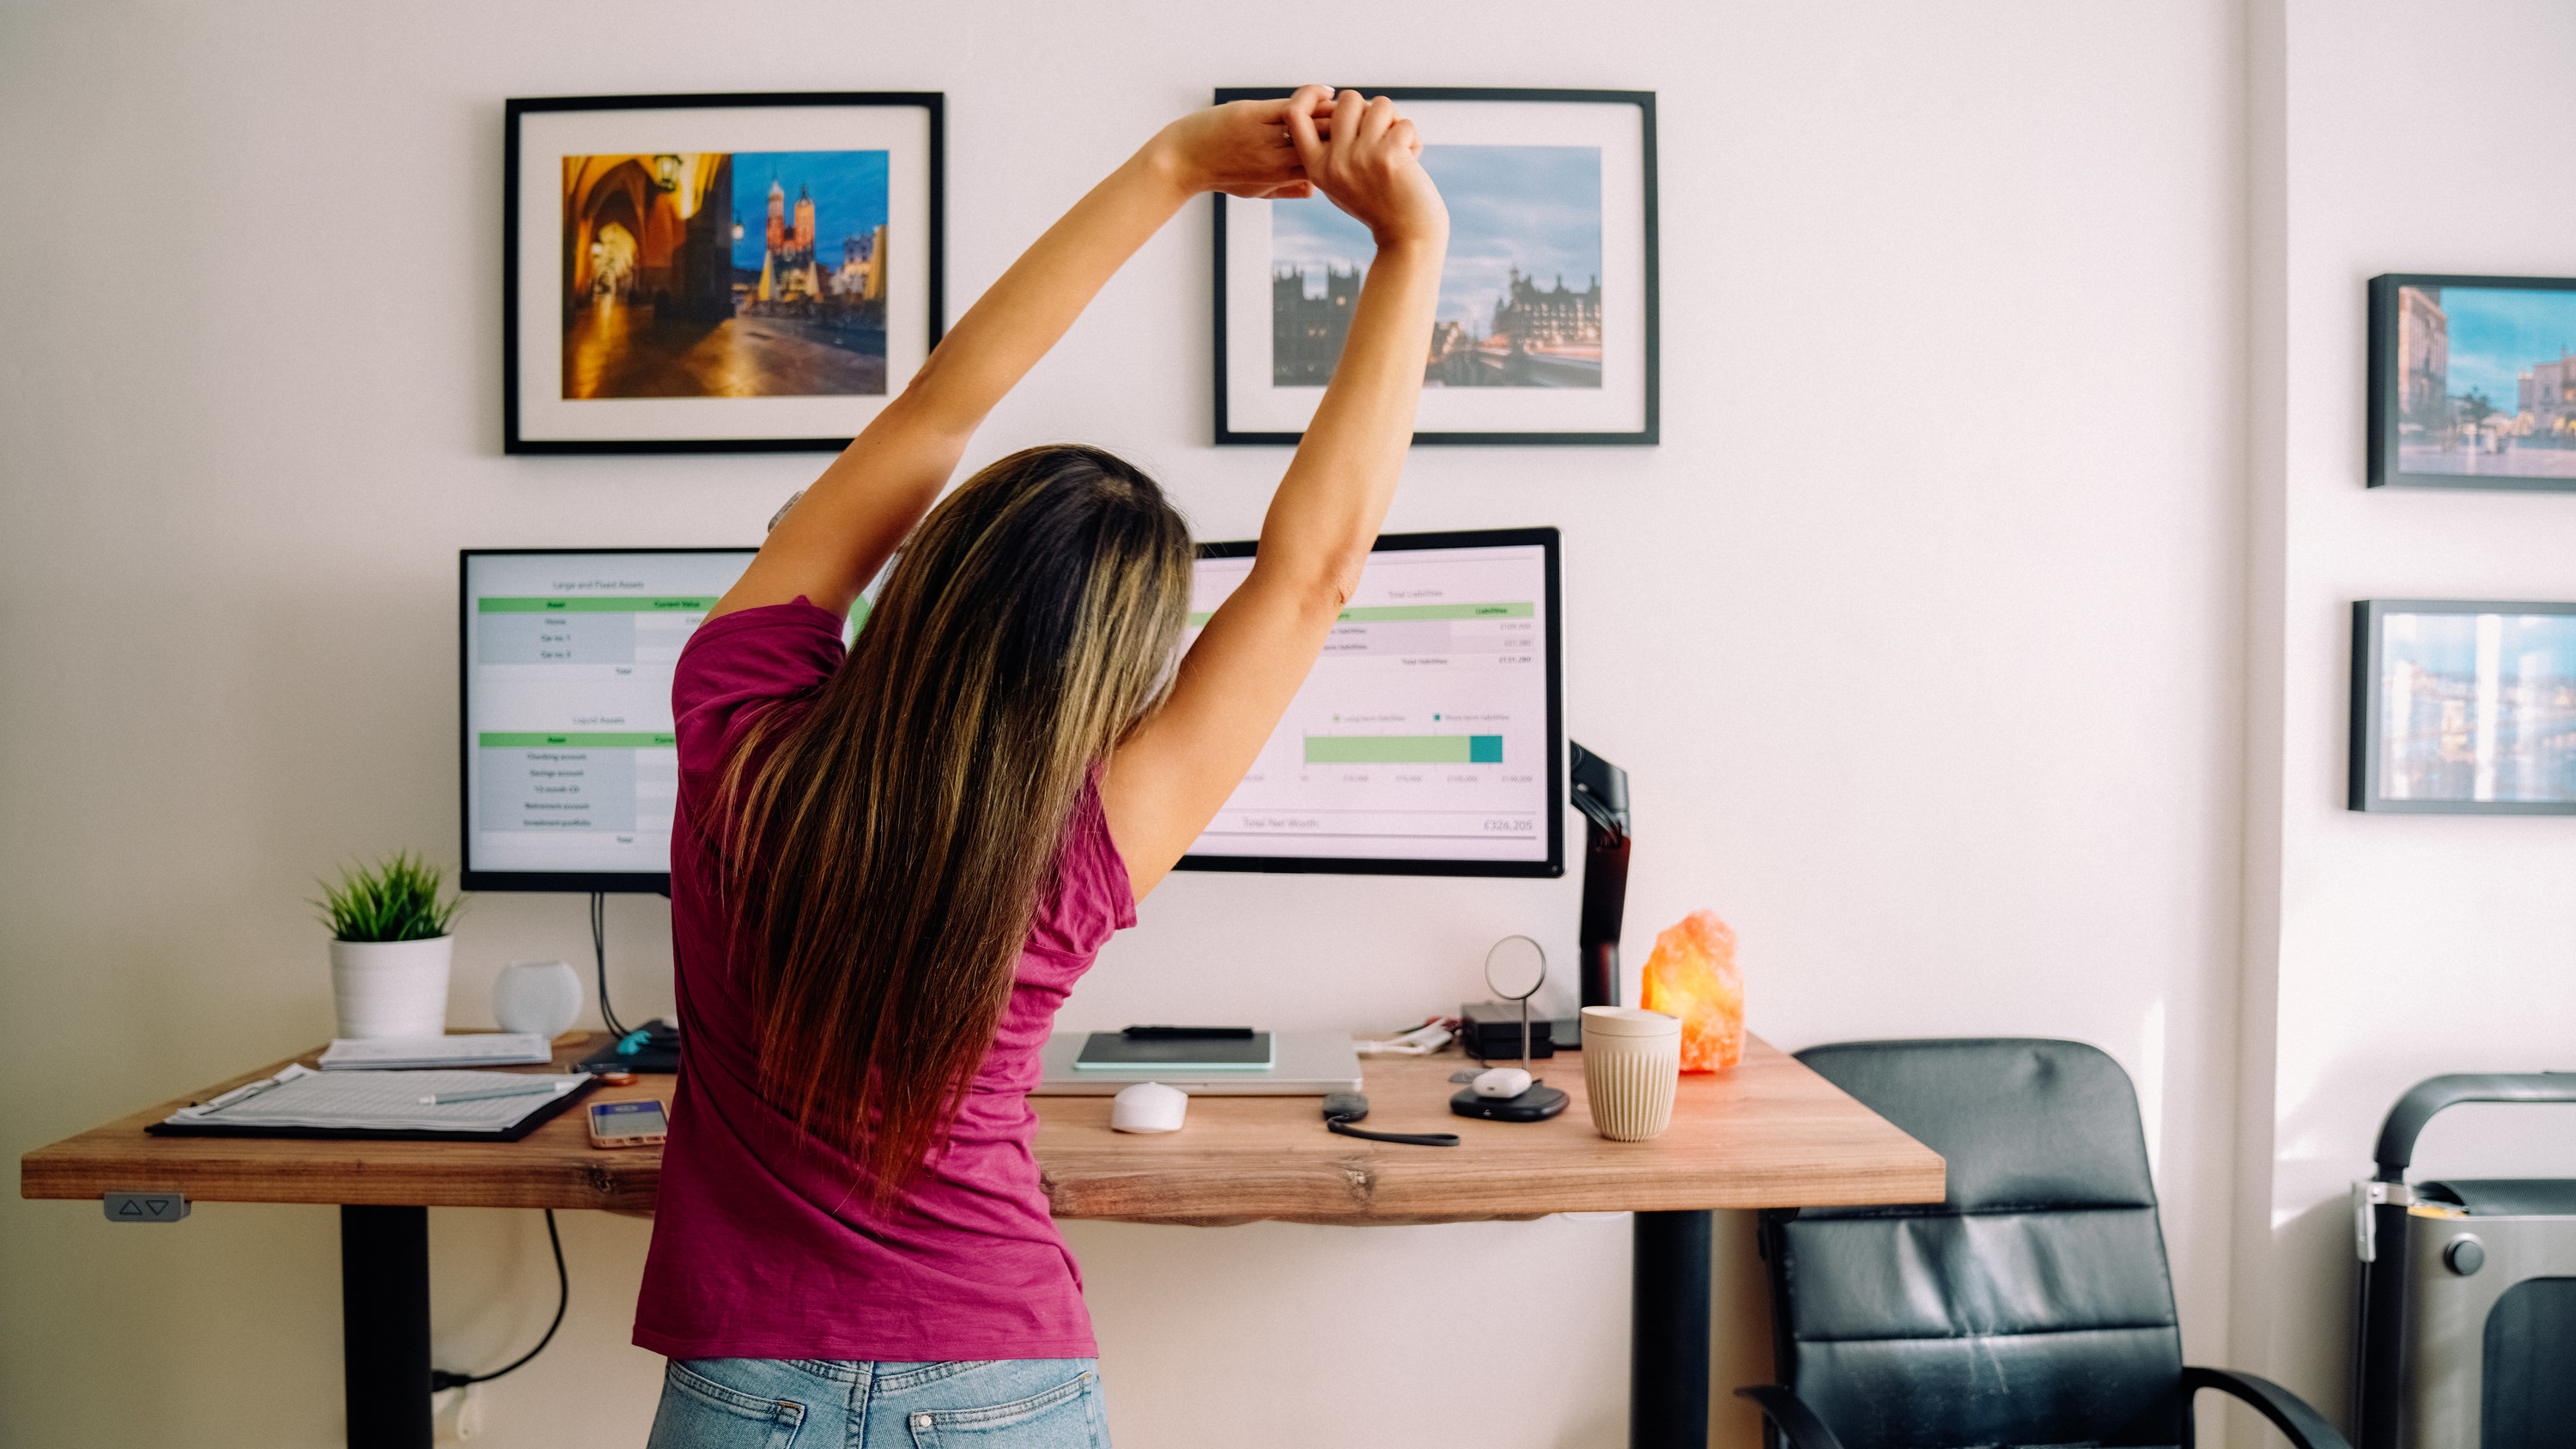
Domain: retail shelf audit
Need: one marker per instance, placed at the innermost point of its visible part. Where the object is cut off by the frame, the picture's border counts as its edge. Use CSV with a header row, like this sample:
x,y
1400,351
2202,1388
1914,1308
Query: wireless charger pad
x,y
1515,962
1537,1104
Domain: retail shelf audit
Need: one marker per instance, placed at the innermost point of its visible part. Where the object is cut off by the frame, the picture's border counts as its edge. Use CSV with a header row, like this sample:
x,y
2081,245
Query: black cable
x,y
1414,1139
599,954
442,1379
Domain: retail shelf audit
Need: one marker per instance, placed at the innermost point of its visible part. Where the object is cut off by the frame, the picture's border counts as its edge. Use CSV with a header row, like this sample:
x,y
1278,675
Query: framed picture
x,y
1546,329
721,273
2473,382
2463,708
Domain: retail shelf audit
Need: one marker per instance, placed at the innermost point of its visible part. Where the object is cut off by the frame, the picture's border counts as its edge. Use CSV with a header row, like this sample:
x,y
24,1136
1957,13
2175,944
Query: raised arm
x,y
1170,777
847,525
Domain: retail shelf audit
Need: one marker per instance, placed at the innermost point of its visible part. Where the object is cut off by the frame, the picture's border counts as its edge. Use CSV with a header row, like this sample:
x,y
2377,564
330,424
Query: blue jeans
x,y
776,1403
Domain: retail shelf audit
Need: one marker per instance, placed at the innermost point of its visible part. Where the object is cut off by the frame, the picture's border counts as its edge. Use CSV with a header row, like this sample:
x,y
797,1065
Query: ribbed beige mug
x,y
1632,1063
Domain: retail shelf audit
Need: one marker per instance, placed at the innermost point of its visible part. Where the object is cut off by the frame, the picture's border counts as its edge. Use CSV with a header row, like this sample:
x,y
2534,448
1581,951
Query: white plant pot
x,y
542,997
391,988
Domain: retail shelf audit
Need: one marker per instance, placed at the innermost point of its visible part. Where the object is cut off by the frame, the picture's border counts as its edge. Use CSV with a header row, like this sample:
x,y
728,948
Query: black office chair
x,y
2030,1306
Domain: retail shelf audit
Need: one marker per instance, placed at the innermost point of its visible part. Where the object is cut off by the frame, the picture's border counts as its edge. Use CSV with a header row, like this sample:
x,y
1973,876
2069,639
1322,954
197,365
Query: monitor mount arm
x,y
1601,793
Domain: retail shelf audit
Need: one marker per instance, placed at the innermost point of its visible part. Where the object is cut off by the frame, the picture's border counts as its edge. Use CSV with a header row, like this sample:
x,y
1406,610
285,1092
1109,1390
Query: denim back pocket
x,y
699,1413
1062,1417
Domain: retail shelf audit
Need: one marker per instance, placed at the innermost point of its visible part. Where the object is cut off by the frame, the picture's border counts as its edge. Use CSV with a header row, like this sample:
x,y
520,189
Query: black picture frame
x,y
468,878
2368,735
515,438
1649,435
2387,375
1549,540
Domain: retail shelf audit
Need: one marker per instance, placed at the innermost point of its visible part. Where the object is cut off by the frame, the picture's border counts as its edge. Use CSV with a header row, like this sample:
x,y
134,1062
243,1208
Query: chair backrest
x,y
2032,1305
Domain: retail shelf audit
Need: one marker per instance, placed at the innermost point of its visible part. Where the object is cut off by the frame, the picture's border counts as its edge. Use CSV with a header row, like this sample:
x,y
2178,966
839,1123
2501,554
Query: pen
x,y
438,1099
246,1089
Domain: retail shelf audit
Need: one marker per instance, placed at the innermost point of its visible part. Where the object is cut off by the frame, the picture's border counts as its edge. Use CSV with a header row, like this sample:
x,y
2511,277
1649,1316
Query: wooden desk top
x,y
1770,1133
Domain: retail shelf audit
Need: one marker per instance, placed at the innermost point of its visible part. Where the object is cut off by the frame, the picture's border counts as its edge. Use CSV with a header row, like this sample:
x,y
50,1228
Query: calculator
x,y
628,1124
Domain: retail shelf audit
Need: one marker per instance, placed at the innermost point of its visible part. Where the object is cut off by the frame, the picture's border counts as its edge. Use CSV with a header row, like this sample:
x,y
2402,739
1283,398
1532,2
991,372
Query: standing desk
x,y
1769,1133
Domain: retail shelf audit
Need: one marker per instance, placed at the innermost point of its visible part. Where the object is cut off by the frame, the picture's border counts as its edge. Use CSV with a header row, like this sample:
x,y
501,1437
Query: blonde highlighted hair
x,y
886,852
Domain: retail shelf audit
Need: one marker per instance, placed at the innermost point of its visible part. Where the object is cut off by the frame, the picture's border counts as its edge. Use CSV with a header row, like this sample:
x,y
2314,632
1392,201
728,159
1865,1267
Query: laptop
x,y
1303,1064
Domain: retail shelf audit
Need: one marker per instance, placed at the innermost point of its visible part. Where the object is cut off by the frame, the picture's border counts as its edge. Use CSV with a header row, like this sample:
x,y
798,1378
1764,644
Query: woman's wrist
x,y
1429,244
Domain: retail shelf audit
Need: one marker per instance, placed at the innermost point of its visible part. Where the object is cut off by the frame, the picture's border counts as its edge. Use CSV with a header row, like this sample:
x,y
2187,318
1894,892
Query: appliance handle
x,y
2406,1119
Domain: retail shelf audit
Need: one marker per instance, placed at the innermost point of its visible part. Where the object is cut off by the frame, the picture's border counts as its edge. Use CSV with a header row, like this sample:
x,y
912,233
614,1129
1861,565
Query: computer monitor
x,y
1429,739
570,770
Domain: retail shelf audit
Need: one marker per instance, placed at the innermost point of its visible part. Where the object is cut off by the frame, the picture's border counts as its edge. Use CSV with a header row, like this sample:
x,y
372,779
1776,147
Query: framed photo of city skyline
x,y
1546,330
2473,382
716,273
2463,707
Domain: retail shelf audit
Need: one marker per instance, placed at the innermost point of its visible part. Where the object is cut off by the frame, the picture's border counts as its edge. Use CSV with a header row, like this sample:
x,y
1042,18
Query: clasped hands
x,y
1361,154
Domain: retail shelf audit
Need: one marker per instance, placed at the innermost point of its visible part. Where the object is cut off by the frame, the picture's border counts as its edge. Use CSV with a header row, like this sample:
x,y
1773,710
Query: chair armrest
x,y
1797,1423
2302,1426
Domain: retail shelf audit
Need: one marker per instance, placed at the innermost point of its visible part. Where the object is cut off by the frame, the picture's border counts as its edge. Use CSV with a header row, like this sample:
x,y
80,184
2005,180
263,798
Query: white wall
x,y
2408,137
1920,635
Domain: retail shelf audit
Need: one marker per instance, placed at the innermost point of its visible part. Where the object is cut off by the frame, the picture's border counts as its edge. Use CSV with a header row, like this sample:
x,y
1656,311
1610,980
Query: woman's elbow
x,y
1306,588
1323,589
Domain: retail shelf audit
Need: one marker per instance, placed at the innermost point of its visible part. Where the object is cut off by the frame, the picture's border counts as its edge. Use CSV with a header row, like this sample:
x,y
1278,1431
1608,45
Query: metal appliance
x,y
2467,1321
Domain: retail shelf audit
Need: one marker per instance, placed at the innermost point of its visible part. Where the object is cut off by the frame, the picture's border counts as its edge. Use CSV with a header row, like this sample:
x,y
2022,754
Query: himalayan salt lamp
x,y
1692,975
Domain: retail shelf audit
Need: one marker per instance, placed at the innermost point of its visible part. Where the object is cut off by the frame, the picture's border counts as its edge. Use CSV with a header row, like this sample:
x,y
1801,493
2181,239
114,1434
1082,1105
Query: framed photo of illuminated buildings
x,y
1546,331
2473,382
717,273
2463,708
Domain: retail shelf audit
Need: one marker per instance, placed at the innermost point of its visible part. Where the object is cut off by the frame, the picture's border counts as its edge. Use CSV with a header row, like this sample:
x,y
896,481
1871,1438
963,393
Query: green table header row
x,y
698,604
1393,613
595,739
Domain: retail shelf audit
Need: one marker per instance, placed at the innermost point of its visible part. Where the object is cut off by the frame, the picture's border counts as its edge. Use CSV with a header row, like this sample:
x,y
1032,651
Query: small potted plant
x,y
390,947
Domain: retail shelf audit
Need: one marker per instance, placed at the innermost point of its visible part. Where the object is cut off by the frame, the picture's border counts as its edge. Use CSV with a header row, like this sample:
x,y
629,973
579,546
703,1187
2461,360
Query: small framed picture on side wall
x,y
2472,382
1546,330
716,273
2462,707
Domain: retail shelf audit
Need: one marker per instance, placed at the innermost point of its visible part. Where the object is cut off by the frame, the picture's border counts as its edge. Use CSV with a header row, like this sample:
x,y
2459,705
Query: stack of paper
x,y
405,1053
297,1097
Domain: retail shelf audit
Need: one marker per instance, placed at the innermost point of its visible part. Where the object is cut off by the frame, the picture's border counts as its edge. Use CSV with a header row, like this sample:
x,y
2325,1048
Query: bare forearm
x,y
850,522
1328,507
853,517
1168,778
1033,304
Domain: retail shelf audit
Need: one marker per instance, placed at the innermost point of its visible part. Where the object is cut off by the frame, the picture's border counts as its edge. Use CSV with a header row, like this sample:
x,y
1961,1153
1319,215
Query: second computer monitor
x,y
571,767
1429,739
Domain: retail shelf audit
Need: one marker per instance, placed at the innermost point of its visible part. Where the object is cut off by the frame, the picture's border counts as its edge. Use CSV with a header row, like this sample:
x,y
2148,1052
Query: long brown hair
x,y
888,852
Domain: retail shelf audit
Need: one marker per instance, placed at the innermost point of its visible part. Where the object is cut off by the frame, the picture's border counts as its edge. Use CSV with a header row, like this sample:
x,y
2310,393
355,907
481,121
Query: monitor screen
x,y
1428,739
570,769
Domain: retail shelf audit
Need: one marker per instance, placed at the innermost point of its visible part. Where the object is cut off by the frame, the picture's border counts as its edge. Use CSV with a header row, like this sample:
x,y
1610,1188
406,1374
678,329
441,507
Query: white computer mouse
x,y
1149,1107
1502,1082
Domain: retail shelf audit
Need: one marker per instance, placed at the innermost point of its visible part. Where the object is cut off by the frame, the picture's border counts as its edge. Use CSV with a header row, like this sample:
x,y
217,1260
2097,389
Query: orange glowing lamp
x,y
1692,975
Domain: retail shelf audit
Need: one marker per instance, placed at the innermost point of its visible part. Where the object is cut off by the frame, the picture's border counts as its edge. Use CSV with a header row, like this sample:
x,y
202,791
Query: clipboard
x,y
537,1116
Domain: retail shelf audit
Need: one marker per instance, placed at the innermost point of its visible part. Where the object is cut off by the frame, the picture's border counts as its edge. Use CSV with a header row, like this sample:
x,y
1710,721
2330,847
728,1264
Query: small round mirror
x,y
1515,968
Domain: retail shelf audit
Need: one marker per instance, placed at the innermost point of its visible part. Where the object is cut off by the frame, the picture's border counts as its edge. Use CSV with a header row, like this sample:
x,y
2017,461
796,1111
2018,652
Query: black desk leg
x,y
1668,1332
384,1325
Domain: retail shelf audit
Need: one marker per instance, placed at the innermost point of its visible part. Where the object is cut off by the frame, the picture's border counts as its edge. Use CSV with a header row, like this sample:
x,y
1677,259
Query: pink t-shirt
x,y
764,1244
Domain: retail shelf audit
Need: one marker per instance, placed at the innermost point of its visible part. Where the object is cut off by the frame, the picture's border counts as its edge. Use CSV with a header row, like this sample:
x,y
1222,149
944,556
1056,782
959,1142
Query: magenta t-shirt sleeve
x,y
748,657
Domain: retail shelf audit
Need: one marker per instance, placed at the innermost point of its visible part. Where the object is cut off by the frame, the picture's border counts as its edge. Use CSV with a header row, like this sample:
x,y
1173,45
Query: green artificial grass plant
x,y
394,900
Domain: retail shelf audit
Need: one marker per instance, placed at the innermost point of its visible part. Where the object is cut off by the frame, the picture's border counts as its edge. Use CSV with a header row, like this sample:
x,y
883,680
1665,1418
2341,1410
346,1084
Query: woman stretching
x,y
889,869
